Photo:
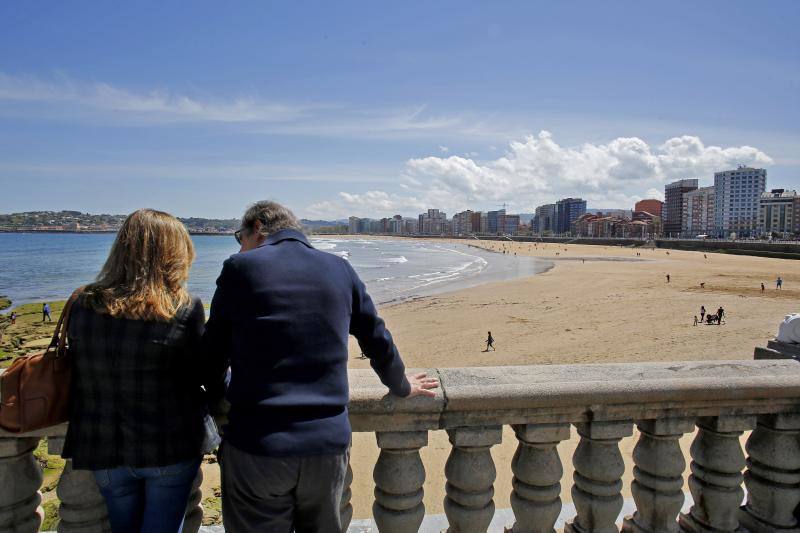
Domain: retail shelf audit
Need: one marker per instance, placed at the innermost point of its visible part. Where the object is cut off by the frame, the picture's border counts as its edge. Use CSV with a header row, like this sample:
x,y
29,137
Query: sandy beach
x,y
597,304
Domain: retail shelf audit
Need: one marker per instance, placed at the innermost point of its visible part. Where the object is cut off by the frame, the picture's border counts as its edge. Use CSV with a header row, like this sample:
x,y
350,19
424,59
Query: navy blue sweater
x,y
283,313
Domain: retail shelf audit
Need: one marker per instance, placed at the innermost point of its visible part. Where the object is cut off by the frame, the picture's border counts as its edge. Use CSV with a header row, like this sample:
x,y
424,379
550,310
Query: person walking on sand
x,y
778,283
46,312
720,314
489,342
695,320
13,318
762,287
702,312
667,278
287,442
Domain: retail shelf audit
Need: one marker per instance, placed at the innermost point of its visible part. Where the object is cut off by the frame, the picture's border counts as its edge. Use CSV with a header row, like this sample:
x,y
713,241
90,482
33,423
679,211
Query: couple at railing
x,y
146,365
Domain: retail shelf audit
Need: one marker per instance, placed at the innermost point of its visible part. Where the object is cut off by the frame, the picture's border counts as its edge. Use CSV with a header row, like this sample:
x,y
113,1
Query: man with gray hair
x,y
283,312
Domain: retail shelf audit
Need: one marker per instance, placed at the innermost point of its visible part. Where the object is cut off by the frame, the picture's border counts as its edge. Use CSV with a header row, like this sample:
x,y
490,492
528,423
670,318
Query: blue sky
x,y
377,108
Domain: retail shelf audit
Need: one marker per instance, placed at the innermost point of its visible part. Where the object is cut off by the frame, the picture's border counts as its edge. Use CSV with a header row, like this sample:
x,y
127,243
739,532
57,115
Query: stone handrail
x,y
721,399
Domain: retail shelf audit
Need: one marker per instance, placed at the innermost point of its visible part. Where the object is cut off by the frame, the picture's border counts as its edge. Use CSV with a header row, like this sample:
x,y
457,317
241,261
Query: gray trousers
x,y
281,494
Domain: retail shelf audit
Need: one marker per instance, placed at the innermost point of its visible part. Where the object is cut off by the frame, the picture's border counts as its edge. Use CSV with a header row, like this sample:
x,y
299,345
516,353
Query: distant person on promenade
x,y
138,407
702,312
720,314
46,312
778,283
13,318
282,313
489,342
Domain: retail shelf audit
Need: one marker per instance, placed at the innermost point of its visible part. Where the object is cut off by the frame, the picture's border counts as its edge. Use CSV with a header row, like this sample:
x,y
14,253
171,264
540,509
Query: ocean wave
x,y
400,259
324,245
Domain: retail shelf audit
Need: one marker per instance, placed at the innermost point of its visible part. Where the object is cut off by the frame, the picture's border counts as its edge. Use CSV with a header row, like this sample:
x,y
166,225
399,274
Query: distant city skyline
x,y
356,108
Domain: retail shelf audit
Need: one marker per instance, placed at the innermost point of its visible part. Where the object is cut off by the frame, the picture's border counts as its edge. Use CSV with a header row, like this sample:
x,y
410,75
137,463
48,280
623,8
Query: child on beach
x,y
489,342
778,283
695,320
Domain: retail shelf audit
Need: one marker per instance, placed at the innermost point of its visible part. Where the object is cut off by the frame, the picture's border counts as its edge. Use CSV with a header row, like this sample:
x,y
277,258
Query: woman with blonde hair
x,y
138,404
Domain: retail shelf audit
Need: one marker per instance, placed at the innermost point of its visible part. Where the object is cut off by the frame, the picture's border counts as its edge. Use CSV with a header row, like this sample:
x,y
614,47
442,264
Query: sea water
x,y
37,267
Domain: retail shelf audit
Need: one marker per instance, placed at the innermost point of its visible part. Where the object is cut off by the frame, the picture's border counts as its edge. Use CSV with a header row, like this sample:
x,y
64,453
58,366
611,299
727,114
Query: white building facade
x,y
778,213
737,201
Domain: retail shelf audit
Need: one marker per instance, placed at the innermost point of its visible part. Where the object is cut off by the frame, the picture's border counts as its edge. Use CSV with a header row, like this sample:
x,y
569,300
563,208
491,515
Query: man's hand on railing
x,y
421,385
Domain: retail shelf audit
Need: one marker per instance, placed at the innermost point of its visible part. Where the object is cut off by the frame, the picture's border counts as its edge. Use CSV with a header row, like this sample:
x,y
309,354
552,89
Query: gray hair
x,y
273,217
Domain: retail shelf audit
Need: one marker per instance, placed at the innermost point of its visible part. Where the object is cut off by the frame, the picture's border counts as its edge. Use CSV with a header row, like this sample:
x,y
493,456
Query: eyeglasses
x,y
238,235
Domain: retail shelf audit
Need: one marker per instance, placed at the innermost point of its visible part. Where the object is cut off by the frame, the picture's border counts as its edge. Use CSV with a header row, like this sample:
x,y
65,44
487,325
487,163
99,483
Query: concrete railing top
x,y
479,396
579,393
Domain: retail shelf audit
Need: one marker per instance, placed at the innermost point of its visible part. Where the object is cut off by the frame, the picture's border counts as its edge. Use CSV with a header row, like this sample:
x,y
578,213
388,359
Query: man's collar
x,y
285,235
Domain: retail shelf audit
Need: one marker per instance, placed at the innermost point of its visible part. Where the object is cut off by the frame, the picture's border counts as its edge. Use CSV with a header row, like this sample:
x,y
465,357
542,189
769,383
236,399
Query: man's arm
x,y
375,340
218,334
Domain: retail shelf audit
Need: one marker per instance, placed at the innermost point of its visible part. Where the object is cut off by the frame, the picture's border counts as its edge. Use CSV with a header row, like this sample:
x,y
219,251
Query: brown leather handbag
x,y
34,390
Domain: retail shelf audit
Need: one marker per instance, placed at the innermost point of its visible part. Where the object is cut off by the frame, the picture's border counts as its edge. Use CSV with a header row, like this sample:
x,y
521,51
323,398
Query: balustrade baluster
x,y
346,508
772,477
658,475
470,474
82,508
598,471
716,479
537,469
20,479
399,475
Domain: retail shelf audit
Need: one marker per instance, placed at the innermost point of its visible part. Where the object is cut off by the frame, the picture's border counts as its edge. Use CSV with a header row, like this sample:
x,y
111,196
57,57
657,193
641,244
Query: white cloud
x,y
158,105
444,149
63,97
538,170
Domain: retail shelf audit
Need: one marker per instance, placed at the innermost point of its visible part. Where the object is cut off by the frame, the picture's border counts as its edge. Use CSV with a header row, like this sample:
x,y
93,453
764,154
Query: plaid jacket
x,y
136,389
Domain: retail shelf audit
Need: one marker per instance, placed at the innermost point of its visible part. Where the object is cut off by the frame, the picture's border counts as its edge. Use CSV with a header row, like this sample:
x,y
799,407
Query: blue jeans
x,y
151,500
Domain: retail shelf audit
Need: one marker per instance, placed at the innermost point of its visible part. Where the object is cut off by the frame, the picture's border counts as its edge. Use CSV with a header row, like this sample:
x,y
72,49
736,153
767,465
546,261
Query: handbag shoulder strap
x,y
59,339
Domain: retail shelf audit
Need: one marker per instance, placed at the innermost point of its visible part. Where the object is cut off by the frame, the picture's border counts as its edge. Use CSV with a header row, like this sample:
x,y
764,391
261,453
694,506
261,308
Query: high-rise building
x,y
544,218
779,212
568,211
738,195
495,221
475,223
434,222
672,213
650,205
352,225
697,212
395,225
511,224
462,222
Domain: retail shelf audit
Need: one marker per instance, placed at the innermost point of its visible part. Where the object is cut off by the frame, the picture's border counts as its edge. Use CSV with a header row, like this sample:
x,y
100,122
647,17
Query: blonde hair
x,y
145,274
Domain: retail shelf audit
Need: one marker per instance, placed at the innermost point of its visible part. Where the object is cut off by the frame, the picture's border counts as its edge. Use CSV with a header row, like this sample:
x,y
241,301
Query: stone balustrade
x,y
719,400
